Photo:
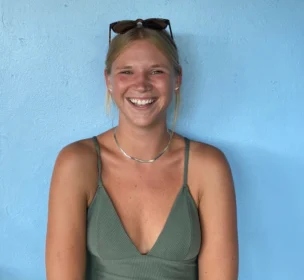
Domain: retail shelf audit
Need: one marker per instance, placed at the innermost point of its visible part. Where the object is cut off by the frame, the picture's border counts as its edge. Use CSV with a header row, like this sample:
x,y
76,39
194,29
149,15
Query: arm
x,y
218,258
66,231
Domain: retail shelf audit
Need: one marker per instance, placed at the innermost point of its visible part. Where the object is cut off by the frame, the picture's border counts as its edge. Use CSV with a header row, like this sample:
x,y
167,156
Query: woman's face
x,y
141,83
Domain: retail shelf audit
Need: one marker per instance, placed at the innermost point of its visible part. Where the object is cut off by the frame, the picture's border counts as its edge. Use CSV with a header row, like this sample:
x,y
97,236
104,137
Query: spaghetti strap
x,y
97,149
187,146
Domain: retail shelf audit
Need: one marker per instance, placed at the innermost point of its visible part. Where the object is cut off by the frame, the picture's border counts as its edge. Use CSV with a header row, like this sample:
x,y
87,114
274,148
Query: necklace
x,y
143,160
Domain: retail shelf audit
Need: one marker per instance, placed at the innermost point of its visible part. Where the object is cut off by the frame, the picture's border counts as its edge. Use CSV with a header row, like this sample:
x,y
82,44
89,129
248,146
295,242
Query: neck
x,y
142,143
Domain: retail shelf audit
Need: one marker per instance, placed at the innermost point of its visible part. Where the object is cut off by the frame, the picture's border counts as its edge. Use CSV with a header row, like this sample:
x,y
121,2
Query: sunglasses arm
x,y
171,31
109,34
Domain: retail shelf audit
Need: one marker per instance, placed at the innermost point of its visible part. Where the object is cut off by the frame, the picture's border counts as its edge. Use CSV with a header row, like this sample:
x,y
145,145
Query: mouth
x,y
141,102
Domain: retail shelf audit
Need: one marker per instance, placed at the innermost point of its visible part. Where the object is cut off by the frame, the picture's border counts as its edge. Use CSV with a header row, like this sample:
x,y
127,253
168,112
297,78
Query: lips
x,y
141,102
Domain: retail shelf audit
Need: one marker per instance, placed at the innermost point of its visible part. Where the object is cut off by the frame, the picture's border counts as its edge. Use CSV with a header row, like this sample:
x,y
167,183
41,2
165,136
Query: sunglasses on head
x,y
123,26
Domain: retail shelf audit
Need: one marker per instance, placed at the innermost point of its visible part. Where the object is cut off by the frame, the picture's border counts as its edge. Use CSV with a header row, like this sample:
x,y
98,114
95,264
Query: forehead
x,y
141,51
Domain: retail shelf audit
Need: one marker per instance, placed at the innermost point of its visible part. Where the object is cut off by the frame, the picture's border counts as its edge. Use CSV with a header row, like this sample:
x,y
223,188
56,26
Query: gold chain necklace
x,y
143,160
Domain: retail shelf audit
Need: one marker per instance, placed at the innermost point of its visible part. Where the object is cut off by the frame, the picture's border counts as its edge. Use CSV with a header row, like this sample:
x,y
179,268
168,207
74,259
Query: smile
x,y
142,102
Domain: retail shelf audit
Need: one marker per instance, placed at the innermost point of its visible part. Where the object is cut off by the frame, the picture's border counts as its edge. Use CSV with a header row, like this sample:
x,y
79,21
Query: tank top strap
x,y
97,149
187,147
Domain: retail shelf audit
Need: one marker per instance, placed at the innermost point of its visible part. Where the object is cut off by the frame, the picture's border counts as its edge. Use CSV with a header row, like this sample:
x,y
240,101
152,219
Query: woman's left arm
x,y
218,257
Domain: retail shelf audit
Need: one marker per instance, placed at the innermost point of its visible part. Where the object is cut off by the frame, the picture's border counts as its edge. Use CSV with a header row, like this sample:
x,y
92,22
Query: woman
x,y
140,201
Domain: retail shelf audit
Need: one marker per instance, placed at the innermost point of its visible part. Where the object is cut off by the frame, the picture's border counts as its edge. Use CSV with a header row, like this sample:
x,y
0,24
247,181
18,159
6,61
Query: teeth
x,y
141,101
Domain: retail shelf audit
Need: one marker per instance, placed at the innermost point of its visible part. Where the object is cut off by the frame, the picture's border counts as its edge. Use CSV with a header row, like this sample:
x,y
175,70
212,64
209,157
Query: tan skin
x,y
143,194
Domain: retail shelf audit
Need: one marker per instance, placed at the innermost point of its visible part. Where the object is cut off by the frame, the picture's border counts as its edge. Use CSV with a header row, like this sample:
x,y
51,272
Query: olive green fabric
x,y
111,254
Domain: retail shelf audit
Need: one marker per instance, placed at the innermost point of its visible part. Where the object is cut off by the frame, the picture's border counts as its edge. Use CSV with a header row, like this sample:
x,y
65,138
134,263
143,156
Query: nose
x,y
142,82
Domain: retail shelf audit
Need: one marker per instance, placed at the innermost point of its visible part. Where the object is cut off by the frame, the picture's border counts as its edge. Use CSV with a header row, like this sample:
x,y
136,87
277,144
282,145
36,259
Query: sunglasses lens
x,y
155,23
123,26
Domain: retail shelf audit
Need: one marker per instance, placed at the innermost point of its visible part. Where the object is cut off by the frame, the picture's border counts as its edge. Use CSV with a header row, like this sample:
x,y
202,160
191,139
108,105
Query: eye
x,y
125,72
154,72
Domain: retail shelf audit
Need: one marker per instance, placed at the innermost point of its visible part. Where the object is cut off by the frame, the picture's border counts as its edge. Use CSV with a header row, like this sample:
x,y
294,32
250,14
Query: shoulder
x,y
76,168
82,155
76,155
210,167
207,155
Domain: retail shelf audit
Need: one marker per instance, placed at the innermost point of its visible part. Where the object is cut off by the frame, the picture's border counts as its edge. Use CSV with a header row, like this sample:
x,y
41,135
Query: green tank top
x,y
111,254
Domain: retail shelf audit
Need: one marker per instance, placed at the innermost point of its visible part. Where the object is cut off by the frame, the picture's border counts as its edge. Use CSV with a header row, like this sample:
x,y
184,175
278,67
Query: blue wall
x,y
243,91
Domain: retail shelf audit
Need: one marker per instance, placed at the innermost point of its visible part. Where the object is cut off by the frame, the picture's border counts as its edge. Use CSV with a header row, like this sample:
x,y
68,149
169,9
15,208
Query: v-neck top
x,y
111,254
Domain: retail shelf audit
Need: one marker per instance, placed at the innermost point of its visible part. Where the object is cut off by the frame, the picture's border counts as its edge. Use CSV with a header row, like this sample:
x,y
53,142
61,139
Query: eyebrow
x,y
152,66
124,67
159,66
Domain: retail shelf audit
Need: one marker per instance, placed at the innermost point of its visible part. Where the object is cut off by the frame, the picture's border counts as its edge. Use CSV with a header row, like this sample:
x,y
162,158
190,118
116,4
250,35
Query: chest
x,y
143,199
115,233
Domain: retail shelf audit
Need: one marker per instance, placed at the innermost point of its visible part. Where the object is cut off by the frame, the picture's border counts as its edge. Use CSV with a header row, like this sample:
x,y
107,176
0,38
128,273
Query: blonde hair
x,y
161,39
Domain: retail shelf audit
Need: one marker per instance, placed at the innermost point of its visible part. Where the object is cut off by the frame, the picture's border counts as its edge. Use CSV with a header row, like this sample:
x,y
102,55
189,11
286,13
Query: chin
x,y
145,123
143,120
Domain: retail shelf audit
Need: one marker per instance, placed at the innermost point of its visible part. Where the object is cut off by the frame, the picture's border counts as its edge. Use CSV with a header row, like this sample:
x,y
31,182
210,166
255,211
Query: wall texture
x,y
243,92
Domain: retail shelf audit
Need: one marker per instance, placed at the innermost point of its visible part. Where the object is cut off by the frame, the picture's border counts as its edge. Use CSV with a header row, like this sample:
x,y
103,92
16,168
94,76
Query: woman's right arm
x,y
66,230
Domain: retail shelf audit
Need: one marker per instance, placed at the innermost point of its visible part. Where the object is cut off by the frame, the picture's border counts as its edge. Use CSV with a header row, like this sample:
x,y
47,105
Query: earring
x,y
177,88
110,89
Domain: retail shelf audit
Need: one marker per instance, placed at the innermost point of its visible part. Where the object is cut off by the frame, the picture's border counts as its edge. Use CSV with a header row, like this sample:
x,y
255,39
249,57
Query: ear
x,y
107,79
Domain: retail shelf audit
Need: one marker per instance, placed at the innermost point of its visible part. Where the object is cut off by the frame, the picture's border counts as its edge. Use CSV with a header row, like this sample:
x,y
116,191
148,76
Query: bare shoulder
x,y
76,153
77,164
209,165
207,154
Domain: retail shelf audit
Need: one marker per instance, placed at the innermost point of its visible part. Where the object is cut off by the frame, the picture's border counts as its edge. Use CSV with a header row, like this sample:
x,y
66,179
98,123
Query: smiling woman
x,y
140,201
141,81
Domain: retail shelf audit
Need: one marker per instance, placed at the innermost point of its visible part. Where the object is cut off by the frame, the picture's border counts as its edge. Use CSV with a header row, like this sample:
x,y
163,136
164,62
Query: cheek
x,y
159,79
164,82
120,81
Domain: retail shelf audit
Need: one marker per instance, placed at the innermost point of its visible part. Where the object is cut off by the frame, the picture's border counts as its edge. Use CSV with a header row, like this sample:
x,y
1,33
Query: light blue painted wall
x,y
243,92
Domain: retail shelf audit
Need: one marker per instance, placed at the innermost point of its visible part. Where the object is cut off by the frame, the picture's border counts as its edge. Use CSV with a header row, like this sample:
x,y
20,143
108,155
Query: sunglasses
x,y
123,26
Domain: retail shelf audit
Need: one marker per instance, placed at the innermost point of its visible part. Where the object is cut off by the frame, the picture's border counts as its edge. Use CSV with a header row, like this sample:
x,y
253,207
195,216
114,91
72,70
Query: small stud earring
x,y
110,89
177,88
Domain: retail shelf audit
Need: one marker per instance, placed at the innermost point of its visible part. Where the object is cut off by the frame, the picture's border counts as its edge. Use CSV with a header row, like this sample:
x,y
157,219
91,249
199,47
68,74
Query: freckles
x,y
121,79
158,81
163,82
